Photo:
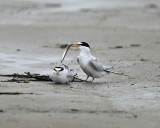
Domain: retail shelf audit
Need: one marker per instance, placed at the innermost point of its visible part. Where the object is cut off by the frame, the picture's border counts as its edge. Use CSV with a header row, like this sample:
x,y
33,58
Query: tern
x,y
89,64
61,75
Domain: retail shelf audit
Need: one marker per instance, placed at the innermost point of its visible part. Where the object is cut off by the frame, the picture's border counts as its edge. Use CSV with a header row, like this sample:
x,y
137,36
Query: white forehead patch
x,y
58,69
79,43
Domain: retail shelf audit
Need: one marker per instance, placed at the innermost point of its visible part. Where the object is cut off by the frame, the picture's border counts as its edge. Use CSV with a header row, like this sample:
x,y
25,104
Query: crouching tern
x,y
61,75
89,64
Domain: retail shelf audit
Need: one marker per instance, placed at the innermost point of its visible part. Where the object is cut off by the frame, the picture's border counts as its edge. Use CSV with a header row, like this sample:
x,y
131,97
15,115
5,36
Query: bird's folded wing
x,y
70,76
95,65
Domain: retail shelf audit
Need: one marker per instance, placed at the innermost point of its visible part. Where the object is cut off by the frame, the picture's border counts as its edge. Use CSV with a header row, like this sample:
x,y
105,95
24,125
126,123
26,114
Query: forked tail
x,y
118,73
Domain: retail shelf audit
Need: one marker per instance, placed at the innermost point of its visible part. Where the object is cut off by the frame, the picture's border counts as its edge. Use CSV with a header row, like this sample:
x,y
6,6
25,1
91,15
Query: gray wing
x,y
96,65
70,77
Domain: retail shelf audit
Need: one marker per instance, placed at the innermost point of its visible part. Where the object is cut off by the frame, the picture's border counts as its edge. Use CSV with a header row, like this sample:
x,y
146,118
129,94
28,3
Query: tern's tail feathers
x,y
106,67
118,73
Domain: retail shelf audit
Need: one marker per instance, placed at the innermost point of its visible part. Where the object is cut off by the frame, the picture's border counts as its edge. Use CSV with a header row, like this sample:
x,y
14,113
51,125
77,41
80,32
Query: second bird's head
x,y
58,70
81,45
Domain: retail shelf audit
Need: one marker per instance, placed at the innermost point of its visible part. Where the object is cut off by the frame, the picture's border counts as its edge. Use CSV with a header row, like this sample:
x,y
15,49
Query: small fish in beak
x,y
65,52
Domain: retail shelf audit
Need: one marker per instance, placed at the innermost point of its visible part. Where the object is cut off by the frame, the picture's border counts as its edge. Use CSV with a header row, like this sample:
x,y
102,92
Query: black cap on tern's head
x,y
58,69
84,44
81,44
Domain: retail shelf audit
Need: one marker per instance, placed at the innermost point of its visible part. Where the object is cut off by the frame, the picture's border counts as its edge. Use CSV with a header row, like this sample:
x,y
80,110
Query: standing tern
x,y
61,75
89,64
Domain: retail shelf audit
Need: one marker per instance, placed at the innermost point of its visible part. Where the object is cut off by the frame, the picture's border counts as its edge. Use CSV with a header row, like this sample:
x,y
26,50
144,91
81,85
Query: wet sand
x,y
124,35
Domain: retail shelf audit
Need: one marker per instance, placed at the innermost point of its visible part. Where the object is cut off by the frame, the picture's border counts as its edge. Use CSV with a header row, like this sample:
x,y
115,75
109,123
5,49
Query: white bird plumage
x,y
61,75
89,64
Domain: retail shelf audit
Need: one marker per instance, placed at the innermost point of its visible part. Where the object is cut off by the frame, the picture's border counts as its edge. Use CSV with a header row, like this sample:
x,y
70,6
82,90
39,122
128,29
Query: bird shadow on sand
x,y
89,83
84,83
58,84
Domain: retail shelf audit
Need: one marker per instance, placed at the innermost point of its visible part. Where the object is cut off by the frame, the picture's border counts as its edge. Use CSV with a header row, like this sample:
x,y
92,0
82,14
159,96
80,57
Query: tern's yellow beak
x,y
57,71
75,45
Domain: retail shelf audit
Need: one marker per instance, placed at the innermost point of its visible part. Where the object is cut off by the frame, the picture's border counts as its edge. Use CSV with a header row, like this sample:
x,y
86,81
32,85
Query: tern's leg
x,y
92,79
87,78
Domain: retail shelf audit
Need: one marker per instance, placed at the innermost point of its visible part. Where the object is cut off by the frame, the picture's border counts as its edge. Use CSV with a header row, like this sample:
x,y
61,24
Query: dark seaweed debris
x,y
13,93
25,78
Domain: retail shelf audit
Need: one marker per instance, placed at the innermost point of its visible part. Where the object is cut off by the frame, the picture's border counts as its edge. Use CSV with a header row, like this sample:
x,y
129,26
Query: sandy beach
x,y
123,34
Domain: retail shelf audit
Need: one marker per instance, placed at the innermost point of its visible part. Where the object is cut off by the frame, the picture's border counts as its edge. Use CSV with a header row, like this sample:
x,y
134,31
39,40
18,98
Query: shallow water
x,y
74,5
13,63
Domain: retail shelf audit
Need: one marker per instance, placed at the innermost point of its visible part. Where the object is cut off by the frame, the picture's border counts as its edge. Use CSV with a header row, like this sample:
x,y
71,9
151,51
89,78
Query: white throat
x,y
85,51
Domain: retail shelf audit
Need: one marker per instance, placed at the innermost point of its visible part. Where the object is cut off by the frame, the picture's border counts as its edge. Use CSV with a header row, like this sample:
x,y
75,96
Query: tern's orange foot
x,y
87,78
92,79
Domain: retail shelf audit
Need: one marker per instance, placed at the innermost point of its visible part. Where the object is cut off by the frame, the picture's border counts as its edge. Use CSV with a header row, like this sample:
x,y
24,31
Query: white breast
x,y
61,78
84,64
